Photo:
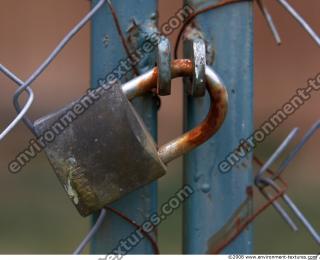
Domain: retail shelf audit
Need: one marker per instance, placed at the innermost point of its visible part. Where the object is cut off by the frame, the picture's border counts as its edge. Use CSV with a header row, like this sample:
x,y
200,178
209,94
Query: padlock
x,y
107,152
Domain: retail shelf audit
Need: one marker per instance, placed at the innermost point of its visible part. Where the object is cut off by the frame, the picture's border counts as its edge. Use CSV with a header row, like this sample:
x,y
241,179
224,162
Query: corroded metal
x,y
164,67
196,49
106,152
208,127
144,33
201,133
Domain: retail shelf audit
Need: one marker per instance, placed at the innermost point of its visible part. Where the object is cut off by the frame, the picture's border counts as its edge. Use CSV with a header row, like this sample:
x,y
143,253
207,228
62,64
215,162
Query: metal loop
x,y
199,134
164,67
197,54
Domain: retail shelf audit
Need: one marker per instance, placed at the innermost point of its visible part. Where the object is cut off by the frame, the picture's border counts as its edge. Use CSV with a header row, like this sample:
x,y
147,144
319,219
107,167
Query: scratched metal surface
x,y
230,32
139,204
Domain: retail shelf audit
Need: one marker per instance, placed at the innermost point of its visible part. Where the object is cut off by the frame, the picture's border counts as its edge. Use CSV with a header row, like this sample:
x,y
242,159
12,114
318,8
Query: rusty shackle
x,y
208,127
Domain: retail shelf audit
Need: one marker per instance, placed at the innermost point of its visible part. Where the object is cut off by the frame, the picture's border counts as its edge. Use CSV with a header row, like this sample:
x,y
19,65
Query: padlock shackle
x,y
207,128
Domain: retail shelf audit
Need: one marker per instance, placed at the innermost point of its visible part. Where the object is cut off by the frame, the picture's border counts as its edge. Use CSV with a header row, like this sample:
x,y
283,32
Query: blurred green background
x,y
36,215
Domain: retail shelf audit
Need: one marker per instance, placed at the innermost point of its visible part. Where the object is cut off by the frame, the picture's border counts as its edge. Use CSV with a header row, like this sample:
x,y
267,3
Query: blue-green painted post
x,y
106,53
229,31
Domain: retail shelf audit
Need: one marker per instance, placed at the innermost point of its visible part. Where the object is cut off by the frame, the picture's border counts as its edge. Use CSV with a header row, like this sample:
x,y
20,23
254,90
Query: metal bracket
x,y
197,54
164,67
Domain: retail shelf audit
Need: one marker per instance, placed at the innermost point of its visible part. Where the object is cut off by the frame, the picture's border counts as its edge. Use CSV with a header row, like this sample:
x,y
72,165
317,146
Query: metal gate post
x,y
106,52
229,31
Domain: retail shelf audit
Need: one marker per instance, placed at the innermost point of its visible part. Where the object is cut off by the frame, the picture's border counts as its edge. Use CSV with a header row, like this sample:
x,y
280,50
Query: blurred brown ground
x,y
36,216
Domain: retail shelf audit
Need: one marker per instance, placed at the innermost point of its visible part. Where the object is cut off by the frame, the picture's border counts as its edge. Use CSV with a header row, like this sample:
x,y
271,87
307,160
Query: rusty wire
x,y
195,14
260,178
289,8
121,35
262,183
130,221
242,224
98,223
245,223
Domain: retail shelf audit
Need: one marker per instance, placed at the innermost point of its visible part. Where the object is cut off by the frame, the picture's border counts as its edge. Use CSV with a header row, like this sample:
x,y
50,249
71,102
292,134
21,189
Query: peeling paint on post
x,y
229,30
106,53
